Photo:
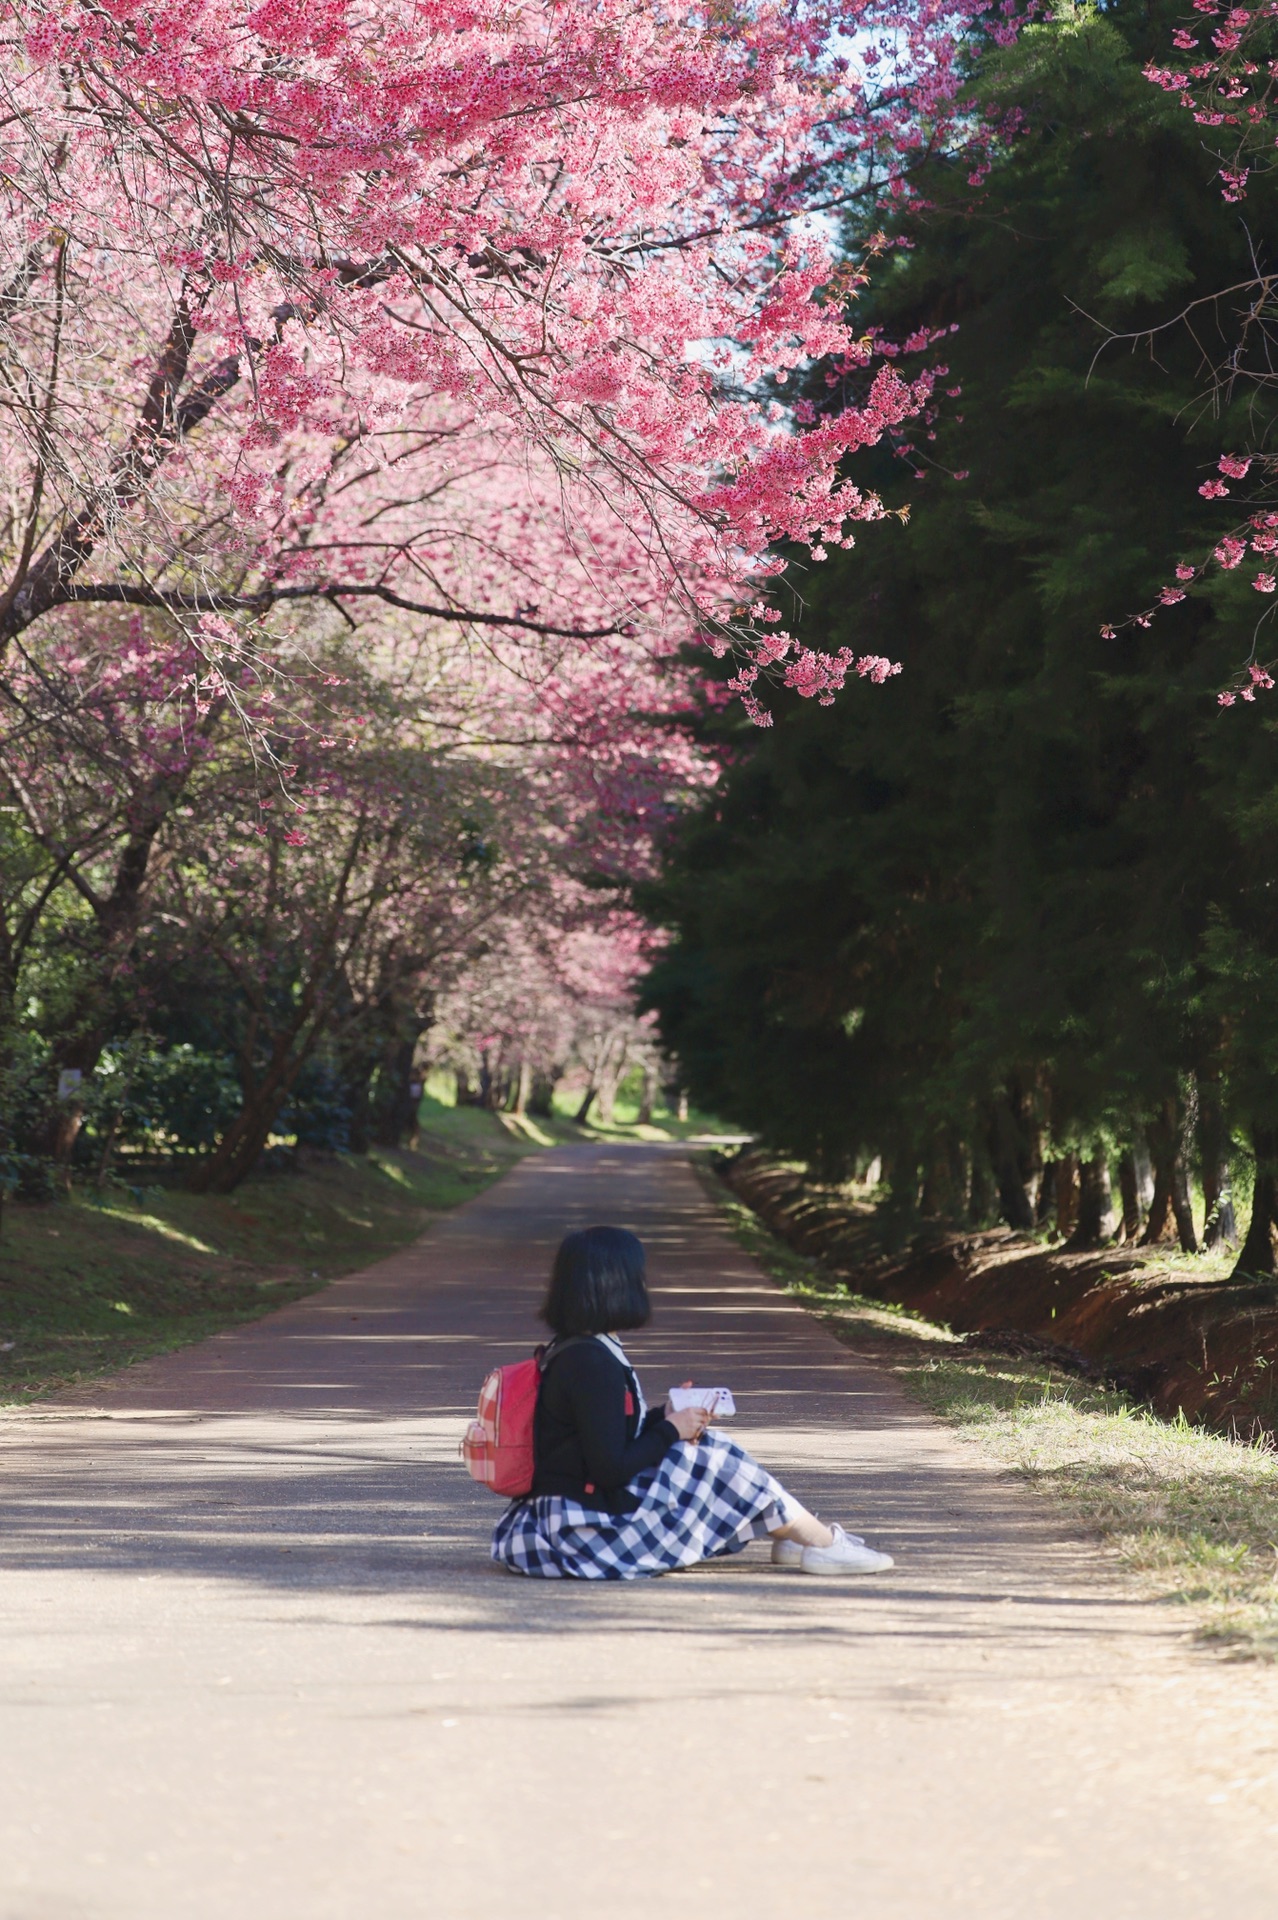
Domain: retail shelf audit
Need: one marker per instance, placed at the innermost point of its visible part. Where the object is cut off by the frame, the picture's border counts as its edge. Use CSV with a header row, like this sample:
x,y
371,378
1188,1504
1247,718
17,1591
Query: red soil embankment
x,y
1207,1348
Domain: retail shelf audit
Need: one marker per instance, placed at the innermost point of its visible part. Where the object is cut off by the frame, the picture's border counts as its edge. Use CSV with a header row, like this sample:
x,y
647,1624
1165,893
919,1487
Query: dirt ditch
x,y
1207,1349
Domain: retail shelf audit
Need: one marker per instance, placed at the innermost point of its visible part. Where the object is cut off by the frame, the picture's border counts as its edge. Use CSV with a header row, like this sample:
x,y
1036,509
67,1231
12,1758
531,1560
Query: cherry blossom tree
x,y
409,803
549,996
1224,75
97,752
266,266
324,939
611,1038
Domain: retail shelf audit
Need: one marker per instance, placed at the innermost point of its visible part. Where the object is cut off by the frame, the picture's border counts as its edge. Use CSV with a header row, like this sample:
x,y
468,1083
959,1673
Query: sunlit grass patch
x,y
625,1124
151,1223
1192,1515
848,1311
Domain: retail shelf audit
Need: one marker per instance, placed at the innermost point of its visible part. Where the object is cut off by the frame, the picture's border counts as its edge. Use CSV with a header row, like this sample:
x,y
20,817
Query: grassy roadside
x,y
1191,1516
98,1281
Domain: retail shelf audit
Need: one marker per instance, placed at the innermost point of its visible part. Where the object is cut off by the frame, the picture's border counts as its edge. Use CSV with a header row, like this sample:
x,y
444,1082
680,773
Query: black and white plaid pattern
x,y
704,1498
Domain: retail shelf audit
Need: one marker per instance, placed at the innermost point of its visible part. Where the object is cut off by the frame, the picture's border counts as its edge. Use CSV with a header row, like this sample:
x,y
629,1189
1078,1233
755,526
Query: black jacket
x,y
587,1442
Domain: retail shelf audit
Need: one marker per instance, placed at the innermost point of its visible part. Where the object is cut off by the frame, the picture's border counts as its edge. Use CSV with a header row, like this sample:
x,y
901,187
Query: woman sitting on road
x,y
619,1491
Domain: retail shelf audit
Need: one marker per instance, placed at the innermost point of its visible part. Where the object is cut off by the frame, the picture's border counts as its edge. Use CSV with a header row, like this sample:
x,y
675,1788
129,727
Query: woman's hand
x,y
669,1406
689,1423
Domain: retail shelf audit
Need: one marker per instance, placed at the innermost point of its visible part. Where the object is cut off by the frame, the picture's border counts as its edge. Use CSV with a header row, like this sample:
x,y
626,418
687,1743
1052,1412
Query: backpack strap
x,y
553,1349
635,1403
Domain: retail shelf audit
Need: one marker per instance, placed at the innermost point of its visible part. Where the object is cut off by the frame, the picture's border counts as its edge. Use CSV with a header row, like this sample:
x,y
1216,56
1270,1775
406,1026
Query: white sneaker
x,y
844,1555
789,1553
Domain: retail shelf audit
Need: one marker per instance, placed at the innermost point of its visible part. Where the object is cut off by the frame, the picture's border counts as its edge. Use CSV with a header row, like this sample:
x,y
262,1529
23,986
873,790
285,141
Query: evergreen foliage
x,y
1016,910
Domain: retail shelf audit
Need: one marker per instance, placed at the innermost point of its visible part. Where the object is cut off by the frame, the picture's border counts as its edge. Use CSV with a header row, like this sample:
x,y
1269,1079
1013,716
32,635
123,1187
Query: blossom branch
x,y
120,594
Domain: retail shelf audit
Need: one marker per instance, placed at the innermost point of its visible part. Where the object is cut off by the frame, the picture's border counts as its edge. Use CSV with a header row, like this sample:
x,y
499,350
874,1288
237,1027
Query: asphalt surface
x,y
255,1661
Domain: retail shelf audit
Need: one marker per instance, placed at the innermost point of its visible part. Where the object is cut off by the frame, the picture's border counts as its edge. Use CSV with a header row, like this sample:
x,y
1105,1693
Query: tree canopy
x,y
1017,907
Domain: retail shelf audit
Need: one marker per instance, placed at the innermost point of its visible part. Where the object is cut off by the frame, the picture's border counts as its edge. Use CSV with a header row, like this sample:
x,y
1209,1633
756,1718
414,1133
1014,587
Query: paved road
x,y
256,1662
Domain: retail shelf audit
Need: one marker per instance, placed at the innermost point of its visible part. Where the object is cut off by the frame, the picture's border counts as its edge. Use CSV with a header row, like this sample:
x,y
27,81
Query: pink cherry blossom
x,y
280,258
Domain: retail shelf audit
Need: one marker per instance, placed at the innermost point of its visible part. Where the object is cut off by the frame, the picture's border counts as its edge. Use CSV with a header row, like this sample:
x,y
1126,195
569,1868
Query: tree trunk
x,y
67,1115
541,1101
358,1069
1045,1198
1257,1258
237,1151
1066,1184
87,1024
1095,1222
984,1196
1170,1203
1129,1188
648,1098
396,1113
1220,1228
240,1146
1161,1134
1157,1226
1182,1208
608,1084
946,1175
8,972
936,1201
960,1175
359,1055
1003,1138
586,1104
523,1091
1186,1136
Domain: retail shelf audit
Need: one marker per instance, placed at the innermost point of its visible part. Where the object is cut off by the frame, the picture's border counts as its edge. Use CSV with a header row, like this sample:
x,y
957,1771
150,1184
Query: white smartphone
x,y
717,1401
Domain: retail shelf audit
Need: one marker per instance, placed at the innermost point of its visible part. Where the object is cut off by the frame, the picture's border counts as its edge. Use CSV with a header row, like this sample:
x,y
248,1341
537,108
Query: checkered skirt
x,y
705,1498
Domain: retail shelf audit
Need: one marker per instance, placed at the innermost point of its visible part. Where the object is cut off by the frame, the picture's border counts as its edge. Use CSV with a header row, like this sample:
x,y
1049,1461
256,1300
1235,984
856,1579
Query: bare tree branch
x,y
117,594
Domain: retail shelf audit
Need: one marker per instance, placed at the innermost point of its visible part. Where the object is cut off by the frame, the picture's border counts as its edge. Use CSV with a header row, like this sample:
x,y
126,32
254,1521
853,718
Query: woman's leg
x,y
798,1525
803,1527
804,1541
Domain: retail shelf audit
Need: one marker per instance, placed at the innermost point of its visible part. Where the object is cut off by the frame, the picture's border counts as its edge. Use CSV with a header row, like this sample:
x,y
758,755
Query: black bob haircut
x,y
597,1283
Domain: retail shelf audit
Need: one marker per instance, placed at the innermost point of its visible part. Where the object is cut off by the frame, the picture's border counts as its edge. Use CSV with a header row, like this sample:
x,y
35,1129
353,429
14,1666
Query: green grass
x,y
560,1125
626,1125
97,1281
1191,1516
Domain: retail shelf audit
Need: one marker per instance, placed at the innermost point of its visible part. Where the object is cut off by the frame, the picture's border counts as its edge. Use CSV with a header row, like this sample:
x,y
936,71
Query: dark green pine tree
x,y
1018,902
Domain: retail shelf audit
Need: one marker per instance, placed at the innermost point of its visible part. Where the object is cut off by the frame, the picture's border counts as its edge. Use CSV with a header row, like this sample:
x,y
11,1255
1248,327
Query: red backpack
x,y
498,1444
